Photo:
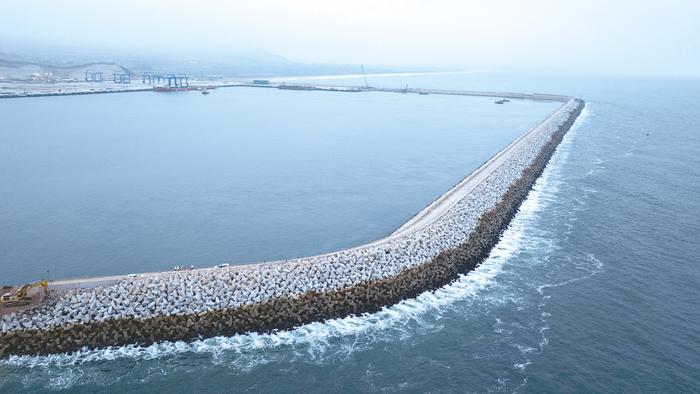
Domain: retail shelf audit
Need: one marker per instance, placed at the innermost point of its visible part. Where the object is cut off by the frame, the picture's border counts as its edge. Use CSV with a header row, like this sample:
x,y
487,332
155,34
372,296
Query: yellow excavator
x,y
19,297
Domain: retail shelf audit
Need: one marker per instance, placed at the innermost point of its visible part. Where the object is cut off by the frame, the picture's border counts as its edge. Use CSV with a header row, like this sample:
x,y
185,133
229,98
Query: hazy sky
x,y
589,35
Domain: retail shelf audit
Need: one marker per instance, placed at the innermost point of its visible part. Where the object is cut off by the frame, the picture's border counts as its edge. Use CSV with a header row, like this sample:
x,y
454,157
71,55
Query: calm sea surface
x,y
120,183
593,288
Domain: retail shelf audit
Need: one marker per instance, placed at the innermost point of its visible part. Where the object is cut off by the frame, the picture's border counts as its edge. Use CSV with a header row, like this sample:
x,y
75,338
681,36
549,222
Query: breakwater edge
x,y
451,236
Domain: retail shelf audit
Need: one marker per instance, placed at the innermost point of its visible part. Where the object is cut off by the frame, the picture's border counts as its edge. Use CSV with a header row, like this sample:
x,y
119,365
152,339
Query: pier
x,y
449,237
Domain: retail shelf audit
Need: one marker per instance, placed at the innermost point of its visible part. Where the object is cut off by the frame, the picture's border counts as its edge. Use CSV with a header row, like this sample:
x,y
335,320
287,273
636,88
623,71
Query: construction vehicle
x,y
20,297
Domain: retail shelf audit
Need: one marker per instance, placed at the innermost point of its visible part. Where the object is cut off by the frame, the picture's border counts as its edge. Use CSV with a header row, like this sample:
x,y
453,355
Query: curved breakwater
x,y
462,228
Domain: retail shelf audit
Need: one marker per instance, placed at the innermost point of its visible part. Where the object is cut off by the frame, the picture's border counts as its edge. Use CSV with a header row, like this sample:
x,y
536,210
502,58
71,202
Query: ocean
x,y
593,287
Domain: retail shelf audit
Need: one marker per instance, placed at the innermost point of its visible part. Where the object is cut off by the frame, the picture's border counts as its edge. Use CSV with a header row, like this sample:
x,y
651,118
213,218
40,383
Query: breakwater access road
x,y
422,218
449,237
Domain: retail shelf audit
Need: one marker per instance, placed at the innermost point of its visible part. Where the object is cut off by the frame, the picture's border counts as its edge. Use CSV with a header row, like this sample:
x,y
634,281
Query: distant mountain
x,y
70,63
21,70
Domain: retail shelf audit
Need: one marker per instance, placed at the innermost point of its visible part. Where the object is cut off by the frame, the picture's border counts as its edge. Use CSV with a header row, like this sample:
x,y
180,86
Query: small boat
x,y
205,92
498,102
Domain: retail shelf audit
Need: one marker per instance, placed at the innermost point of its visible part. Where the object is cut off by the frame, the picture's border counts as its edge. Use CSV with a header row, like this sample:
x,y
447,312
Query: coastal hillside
x,y
24,71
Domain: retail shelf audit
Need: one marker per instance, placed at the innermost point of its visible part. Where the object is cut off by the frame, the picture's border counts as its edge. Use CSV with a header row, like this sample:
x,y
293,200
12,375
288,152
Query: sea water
x,y
593,287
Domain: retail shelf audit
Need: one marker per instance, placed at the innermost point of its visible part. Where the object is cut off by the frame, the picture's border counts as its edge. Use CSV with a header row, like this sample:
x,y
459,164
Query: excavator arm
x,y
20,298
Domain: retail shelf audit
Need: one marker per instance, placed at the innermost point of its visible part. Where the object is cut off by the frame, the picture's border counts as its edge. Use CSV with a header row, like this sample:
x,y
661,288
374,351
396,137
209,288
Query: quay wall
x,y
281,295
72,93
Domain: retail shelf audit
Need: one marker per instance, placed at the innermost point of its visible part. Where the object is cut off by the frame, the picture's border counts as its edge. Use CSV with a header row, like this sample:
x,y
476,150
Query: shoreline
x,y
449,237
20,89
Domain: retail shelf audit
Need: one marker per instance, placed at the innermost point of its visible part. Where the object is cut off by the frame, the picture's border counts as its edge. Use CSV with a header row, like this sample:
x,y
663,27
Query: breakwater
x,y
185,305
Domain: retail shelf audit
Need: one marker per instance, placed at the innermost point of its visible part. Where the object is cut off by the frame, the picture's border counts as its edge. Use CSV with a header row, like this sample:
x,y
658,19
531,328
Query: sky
x,y
594,36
